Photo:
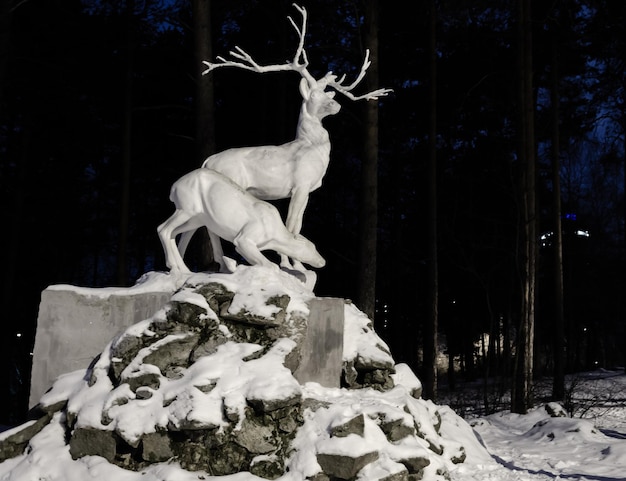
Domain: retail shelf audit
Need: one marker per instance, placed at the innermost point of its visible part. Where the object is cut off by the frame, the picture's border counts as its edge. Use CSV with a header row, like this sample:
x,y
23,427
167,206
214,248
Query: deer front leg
x,y
167,234
284,262
295,213
218,253
250,251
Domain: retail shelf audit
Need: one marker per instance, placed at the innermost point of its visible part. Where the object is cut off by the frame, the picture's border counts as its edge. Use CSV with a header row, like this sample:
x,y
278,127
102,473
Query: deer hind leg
x,y
180,222
216,245
218,253
183,242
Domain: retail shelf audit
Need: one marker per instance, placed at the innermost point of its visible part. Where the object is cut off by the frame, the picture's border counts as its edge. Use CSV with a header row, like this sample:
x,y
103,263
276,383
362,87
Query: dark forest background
x,y
97,120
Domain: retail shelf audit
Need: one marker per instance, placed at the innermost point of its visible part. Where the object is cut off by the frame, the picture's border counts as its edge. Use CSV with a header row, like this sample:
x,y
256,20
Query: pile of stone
x,y
212,389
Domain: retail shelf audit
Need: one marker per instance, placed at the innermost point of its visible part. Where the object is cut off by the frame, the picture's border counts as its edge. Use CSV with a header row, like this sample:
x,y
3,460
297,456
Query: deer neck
x,y
283,244
311,130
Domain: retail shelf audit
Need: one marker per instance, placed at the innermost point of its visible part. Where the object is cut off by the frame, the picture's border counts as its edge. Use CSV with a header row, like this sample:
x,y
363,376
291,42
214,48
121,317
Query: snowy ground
x,y
535,447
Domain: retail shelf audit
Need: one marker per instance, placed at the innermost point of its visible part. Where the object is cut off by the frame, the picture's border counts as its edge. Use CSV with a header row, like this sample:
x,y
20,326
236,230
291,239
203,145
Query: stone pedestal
x,y
322,349
75,324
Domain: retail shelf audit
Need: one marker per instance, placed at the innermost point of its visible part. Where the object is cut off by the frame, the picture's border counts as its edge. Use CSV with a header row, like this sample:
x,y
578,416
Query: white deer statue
x,y
204,197
292,170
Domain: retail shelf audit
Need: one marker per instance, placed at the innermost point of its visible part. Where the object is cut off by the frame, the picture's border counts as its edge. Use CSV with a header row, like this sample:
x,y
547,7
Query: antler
x,y
300,62
346,89
243,60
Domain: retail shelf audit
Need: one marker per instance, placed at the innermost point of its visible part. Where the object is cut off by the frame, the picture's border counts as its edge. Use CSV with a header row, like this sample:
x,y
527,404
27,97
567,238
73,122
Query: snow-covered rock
x,y
206,385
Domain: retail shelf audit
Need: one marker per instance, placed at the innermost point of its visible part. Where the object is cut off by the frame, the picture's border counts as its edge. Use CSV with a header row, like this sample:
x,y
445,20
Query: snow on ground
x,y
537,447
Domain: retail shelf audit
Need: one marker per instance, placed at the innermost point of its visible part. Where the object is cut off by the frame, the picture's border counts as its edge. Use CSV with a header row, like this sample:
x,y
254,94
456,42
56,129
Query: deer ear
x,y
331,95
305,91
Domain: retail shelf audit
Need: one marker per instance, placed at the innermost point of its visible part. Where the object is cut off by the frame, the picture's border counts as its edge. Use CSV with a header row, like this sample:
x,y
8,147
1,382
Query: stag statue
x,y
295,169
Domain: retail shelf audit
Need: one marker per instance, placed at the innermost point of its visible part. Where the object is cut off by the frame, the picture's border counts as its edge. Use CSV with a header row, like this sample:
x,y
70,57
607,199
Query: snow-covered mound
x,y
544,445
205,388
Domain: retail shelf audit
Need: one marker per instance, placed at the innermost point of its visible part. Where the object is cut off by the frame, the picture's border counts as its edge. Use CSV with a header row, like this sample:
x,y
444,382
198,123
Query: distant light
x,y
546,236
19,334
546,239
582,233
570,216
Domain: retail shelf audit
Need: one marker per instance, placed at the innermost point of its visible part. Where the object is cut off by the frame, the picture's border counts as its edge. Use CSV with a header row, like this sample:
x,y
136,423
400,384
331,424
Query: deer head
x,y
319,102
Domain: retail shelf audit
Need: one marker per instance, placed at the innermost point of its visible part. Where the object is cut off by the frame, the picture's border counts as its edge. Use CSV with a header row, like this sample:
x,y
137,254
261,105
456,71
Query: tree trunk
x,y
430,329
558,386
621,311
124,221
506,343
5,38
14,212
205,105
521,398
369,174
205,99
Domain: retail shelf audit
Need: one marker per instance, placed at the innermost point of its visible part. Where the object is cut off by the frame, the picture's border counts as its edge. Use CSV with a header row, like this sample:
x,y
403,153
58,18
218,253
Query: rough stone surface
x,y
268,467
356,425
72,325
173,354
459,456
245,317
344,467
255,438
415,465
156,447
269,405
171,344
322,350
229,459
93,442
396,430
143,380
17,439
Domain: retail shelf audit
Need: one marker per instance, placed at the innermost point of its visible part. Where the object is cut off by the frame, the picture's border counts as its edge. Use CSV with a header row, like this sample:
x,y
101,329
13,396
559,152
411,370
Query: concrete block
x,y
75,324
322,350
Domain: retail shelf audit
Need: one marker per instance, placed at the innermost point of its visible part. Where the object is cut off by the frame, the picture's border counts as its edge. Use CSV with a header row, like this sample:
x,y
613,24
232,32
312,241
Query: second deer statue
x,y
292,170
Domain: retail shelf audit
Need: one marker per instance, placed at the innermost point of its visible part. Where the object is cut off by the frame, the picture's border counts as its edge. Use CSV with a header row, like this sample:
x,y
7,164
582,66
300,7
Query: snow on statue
x,y
294,169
